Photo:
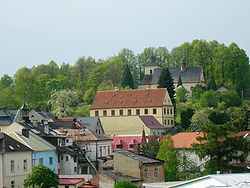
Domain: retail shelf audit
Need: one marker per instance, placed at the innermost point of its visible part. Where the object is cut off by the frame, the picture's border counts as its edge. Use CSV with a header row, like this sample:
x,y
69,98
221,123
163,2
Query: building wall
x,y
155,173
1,170
19,174
149,69
97,149
45,155
67,164
105,182
126,165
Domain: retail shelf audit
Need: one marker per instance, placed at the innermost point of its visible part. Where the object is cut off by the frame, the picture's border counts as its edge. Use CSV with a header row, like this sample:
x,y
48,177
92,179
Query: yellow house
x,y
120,110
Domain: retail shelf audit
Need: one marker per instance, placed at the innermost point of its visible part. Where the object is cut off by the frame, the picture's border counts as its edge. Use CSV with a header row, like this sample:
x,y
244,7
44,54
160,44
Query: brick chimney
x,y
25,132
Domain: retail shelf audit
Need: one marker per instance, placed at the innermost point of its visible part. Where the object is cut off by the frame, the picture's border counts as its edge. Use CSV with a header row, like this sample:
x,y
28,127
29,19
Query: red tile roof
x,y
185,139
151,122
70,181
129,98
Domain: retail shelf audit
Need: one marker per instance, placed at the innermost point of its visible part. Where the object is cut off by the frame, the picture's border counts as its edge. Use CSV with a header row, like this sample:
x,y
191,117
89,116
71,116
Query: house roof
x,y
129,98
70,181
8,144
118,176
185,139
191,74
141,158
90,123
85,135
35,142
151,122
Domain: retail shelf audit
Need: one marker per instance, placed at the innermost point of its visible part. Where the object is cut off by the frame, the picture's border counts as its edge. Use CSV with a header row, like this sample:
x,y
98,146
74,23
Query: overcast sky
x,y
34,32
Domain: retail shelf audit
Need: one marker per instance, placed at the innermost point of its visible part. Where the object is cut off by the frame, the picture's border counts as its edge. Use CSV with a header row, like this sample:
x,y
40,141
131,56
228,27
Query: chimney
x,y
25,132
201,73
183,67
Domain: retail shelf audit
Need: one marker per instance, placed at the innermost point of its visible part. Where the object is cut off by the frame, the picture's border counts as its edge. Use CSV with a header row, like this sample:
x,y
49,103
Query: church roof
x,y
129,98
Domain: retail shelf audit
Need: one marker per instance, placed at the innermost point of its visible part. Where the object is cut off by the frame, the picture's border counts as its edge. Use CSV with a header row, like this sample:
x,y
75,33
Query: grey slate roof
x,y
8,144
141,158
190,75
151,122
89,122
118,176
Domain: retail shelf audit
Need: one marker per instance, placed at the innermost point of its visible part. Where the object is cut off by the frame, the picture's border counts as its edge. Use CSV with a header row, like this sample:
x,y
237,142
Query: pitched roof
x,y
70,181
85,135
118,176
8,144
143,159
185,139
129,98
191,74
151,122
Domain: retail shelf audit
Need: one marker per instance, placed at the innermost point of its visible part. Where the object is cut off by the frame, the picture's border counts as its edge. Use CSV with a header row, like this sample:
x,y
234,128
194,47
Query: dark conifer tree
x,y
127,78
166,81
179,81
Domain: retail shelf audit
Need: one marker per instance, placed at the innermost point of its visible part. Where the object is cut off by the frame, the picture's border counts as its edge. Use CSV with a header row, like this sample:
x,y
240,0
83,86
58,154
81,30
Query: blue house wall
x,y
45,155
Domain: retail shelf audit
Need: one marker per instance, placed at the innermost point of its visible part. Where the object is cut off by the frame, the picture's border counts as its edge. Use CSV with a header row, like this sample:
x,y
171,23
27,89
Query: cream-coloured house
x,y
15,162
190,76
120,109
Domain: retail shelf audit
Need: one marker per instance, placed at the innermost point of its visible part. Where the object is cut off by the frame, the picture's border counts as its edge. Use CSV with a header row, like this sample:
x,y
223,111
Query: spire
x,y
143,139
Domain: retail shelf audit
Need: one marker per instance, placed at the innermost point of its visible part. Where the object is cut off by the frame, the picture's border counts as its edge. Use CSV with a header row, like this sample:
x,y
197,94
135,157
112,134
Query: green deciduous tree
x,y
168,154
186,116
41,177
220,146
151,148
125,184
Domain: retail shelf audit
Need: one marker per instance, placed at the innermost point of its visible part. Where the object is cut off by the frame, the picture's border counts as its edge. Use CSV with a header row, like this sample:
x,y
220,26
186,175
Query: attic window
x,y
11,147
113,94
18,146
121,101
147,93
106,102
135,100
150,100
130,94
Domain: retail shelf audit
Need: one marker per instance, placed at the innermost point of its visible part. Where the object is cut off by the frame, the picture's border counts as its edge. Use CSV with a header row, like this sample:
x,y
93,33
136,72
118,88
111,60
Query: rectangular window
x,y
119,146
145,111
74,169
61,158
112,112
67,158
129,112
165,122
172,122
156,169
154,111
40,161
137,111
12,166
104,113
168,122
51,160
96,113
167,111
12,184
25,165
146,172
164,111
121,112
100,149
171,111
75,158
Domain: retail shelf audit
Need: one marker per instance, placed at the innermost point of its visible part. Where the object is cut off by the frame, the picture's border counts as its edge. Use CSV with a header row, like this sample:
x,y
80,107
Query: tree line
x,y
68,90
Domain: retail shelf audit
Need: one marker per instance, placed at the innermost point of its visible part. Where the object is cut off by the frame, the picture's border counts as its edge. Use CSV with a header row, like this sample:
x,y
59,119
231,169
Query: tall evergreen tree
x,y
127,78
179,81
166,81
211,85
